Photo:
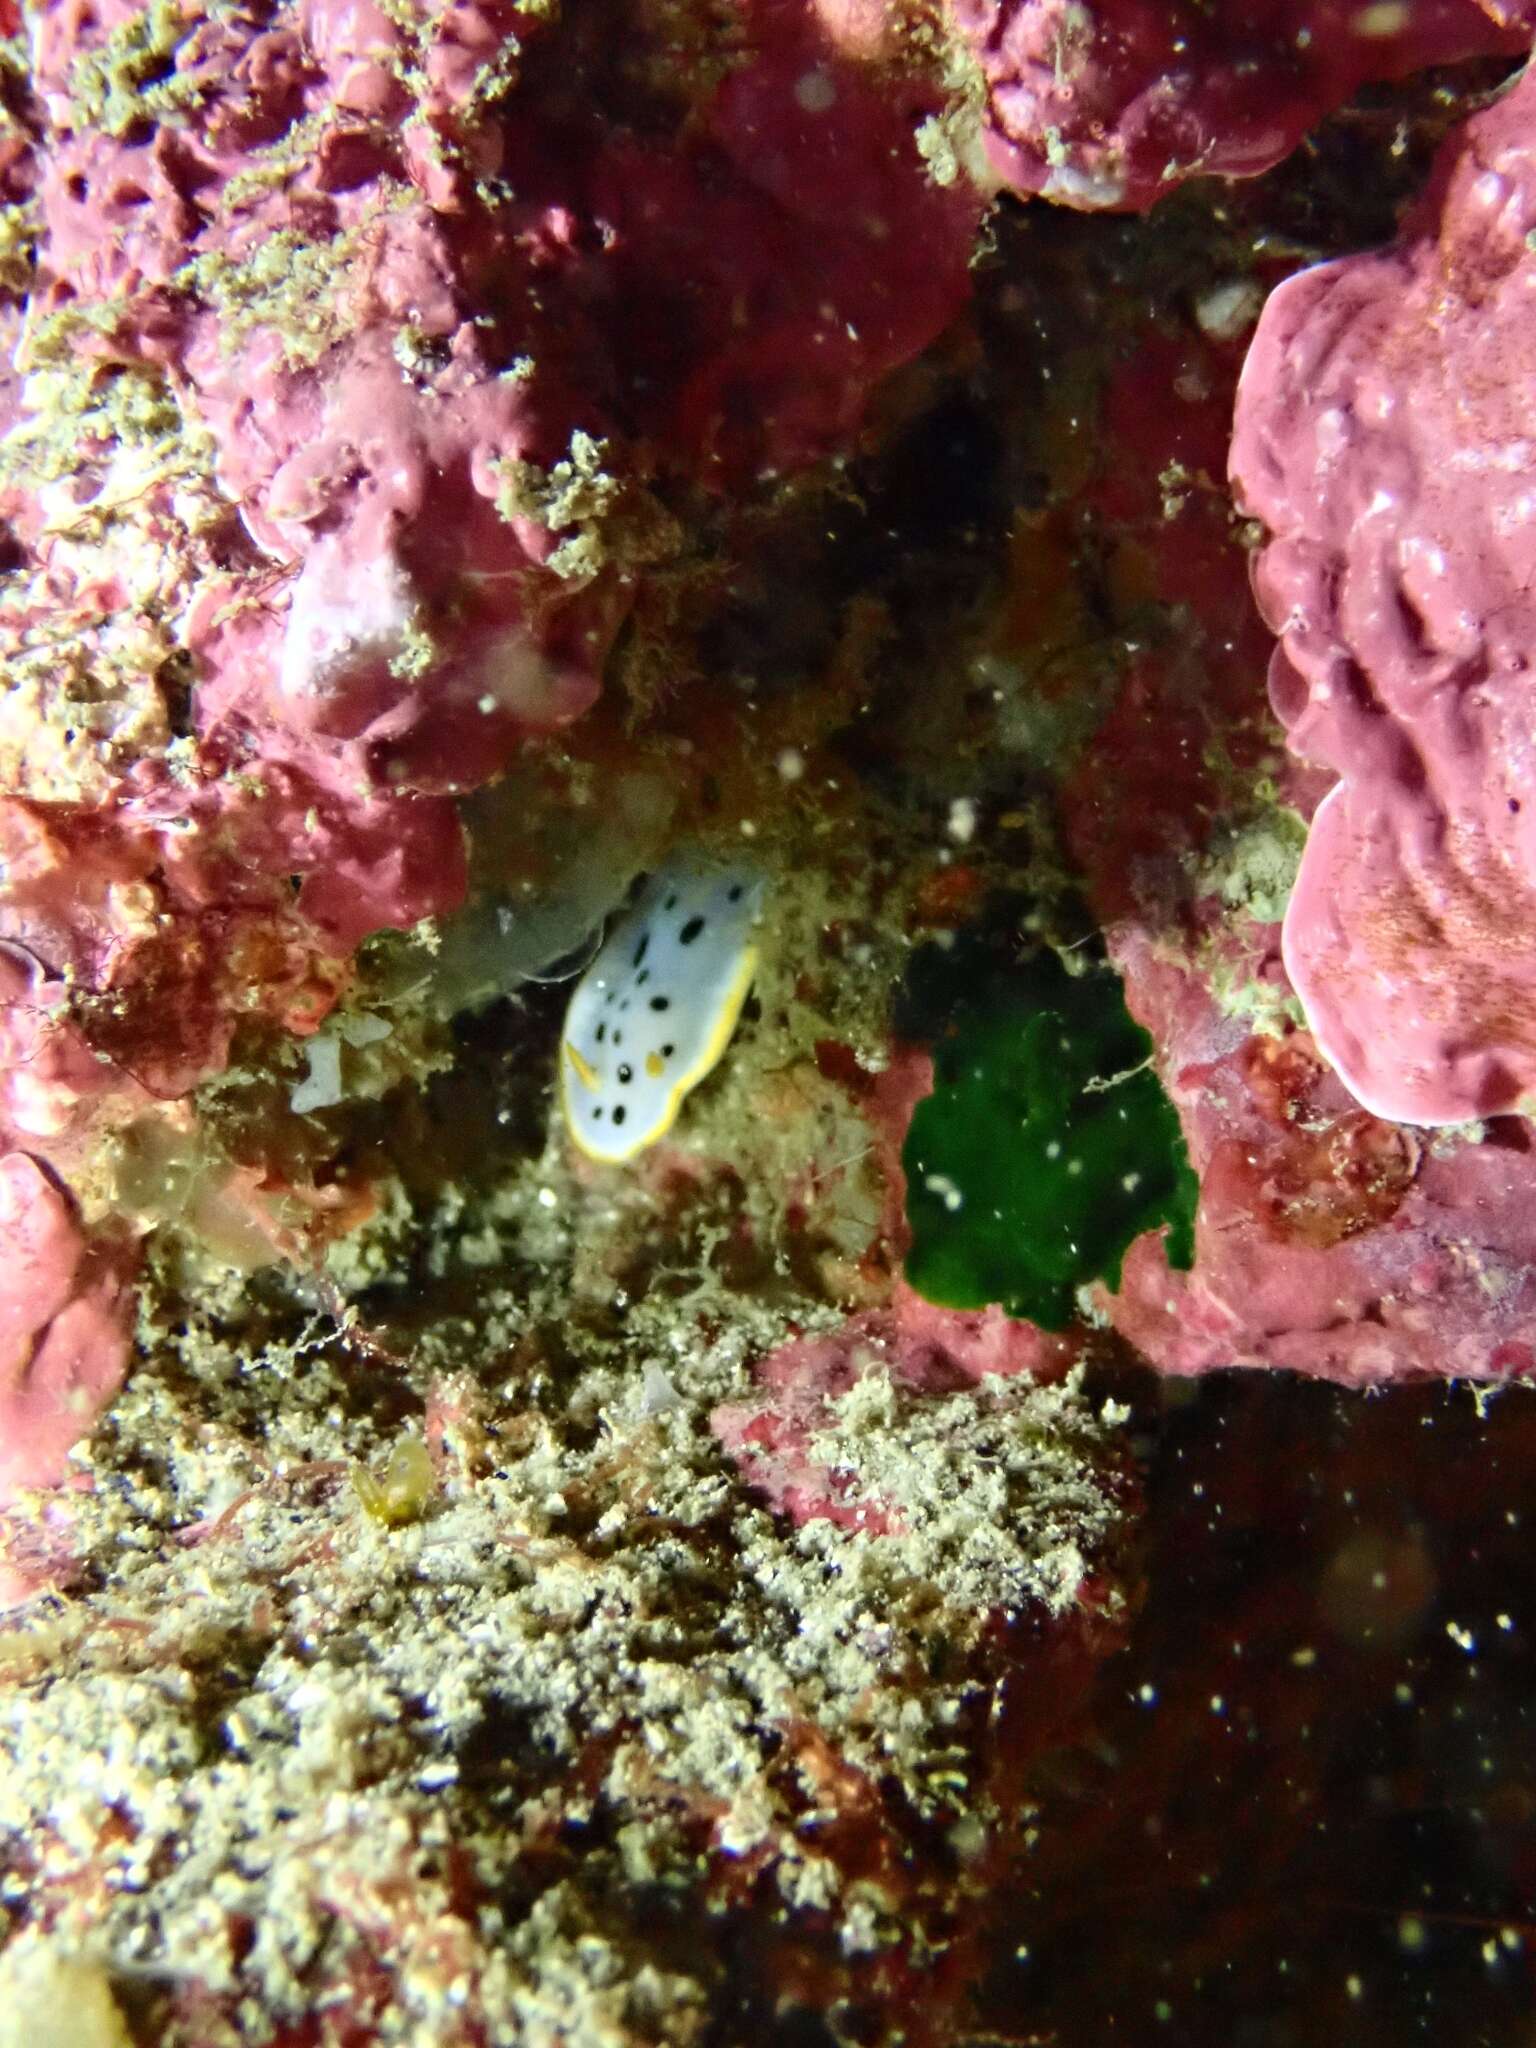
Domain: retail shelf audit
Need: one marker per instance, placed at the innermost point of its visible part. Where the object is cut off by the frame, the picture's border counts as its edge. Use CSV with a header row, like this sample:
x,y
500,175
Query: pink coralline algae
x,y
65,1312
1328,1241
1112,103
386,362
1386,437
911,1352
360,350
766,277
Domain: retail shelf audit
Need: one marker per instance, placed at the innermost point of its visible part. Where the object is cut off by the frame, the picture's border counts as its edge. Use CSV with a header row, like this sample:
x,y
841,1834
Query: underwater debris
x,y
1046,1148
655,1010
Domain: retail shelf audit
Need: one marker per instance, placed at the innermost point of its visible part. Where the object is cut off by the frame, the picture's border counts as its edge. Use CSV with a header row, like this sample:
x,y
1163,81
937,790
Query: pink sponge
x,y
1386,436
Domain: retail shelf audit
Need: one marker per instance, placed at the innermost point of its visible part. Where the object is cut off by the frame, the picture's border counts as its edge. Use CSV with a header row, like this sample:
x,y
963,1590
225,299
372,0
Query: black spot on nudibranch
x,y
671,902
667,1051
642,977
618,1114
597,1114
601,1033
626,1072
661,1002
690,931
640,950
735,893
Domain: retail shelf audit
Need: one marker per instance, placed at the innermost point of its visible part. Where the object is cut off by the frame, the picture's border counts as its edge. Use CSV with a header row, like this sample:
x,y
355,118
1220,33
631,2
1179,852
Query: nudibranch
x,y
656,1008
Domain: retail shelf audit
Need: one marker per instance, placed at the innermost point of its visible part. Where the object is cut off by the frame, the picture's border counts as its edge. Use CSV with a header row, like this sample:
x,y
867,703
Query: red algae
x,y
1113,103
1328,1241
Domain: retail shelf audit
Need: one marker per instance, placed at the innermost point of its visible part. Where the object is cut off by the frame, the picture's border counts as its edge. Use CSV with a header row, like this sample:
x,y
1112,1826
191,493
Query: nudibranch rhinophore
x,y
656,1009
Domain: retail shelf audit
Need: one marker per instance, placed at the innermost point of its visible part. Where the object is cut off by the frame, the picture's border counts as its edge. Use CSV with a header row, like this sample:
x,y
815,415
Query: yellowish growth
x,y
1252,868
273,166
52,1999
1269,1010
286,283
418,652
132,76
18,237
575,498
123,479
402,1492
936,147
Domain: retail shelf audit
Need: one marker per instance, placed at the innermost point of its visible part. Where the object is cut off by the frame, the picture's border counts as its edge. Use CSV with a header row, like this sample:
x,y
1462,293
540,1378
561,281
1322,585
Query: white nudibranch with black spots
x,y
656,1009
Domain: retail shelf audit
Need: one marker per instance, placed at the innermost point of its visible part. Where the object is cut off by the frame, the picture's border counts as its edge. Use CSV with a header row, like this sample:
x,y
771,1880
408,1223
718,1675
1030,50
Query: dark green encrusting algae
x,y
1046,1147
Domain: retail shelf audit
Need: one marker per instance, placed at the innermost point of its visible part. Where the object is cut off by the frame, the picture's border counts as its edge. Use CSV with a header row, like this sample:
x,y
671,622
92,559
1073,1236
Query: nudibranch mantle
x,y
657,1007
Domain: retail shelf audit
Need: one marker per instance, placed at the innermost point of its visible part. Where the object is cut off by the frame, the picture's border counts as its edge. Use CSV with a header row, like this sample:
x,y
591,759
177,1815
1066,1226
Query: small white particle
x,y
1386,18
962,820
815,92
1229,309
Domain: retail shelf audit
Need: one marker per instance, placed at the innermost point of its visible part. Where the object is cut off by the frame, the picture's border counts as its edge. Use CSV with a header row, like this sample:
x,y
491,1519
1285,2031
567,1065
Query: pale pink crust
x,y
1112,103
923,1351
65,1316
1386,437
1328,1241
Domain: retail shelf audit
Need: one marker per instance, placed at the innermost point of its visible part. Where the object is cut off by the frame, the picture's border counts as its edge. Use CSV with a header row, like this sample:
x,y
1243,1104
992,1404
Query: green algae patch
x,y
1046,1147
